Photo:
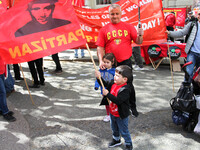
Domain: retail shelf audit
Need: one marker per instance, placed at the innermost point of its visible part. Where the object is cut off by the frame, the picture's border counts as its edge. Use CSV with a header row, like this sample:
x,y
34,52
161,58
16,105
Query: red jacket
x,y
170,20
2,66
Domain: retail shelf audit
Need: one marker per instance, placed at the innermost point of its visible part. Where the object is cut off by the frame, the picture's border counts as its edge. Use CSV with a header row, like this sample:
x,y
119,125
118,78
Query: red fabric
x,y
63,32
116,38
2,66
180,14
164,50
3,6
78,3
170,20
151,14
114,91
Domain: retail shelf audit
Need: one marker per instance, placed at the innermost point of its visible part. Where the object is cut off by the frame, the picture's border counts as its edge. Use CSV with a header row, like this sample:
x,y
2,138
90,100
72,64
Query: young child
x,y
118,93
108,75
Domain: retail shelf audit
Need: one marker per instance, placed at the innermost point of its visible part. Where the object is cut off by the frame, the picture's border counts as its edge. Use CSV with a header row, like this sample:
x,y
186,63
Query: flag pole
x,y
96,69
170,62
26,85
139,22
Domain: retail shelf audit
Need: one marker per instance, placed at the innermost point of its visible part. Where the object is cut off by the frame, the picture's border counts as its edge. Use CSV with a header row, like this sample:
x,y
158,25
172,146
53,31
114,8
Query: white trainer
x,y
106,118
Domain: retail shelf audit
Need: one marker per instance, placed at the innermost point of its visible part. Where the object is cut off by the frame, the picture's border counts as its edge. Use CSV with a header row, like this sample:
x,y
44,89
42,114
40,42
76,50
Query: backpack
x,y
184,99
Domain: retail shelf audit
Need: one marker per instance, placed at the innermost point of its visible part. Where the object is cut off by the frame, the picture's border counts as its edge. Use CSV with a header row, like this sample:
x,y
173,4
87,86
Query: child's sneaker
x,y
114,143
106,118
129,147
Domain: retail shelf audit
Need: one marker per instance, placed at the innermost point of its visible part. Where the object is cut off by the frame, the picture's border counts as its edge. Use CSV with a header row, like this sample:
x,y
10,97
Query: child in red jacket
x,y
118,93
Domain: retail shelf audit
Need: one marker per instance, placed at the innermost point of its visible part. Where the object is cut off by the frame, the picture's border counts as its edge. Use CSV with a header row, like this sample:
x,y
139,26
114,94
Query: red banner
x,y
3,6
78,3
152,19
180,14
39,28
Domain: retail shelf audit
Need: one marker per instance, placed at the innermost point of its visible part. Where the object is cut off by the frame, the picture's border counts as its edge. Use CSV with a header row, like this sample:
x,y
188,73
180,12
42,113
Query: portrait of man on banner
x,y
41,12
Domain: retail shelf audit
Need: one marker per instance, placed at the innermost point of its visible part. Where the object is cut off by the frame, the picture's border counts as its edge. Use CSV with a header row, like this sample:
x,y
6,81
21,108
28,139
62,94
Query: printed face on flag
x,y
46,28
41,12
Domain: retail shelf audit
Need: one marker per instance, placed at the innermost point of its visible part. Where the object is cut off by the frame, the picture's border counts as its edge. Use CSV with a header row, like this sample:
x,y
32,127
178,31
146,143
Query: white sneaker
x,y
138,68
106,118
135,66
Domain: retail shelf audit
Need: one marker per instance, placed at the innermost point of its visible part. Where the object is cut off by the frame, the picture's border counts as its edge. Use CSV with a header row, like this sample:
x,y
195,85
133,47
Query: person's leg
x,y
7,115
3,103
137,56
57,61
190,68
33,71
123,128
17,72
9,83
107,109
107,117
40,70
82,53
115,132
76,53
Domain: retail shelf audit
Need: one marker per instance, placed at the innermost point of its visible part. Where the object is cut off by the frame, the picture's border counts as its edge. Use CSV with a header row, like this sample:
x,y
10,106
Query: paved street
x,y
67,116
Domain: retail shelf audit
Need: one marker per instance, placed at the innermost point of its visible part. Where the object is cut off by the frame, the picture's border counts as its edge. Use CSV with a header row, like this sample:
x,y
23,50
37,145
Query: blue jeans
x,y
76,52
120,126
195,58
9,82
3,103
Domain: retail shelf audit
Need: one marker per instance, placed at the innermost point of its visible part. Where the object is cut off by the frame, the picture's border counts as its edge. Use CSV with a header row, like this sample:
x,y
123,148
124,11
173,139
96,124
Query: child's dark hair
x,y
111,57
125,71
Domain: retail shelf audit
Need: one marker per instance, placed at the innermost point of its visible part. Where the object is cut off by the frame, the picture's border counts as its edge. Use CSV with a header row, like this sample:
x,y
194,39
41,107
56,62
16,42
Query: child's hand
x,y
97,74
105,92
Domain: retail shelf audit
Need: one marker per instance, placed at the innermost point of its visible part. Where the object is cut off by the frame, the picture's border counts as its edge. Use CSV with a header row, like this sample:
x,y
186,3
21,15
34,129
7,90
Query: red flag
x,y
180,14
151,16
39,28
78,3
3,6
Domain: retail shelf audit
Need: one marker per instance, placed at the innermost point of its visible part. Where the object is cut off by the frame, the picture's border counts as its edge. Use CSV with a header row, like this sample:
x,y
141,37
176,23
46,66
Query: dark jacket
x,y
122,99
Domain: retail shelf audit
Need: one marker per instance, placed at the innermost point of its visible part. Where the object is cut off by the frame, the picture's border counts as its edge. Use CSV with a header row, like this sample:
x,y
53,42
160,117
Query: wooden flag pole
x,y
170,66
26,84
96,69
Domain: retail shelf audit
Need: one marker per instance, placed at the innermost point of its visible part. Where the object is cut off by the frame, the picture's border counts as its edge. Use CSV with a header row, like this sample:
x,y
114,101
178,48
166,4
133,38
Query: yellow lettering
x,y
72,37
89,38
50,40
79,32
120,32
15,52
108,36
35,44
61,39
114,33
95,38
26,49
125,33
43,43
